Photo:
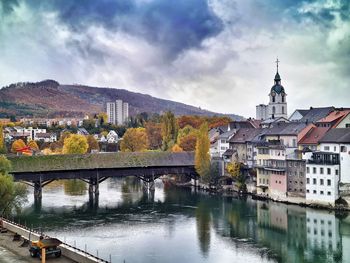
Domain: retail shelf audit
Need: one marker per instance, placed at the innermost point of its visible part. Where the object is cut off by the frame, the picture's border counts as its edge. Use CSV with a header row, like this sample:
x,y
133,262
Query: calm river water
x,y
180,225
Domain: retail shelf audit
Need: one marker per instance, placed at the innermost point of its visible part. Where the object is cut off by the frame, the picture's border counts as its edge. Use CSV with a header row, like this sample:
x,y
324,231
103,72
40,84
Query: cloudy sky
x,y
216,54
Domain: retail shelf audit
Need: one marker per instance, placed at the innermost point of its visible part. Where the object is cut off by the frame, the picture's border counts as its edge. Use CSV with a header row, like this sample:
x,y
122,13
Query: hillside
x,y
50,99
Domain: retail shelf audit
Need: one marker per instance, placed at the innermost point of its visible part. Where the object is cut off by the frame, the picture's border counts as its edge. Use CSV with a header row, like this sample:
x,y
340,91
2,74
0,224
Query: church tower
x,y
278,104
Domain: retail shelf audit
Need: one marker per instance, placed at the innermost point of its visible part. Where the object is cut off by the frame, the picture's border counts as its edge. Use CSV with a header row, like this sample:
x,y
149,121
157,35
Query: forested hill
x,y
50,99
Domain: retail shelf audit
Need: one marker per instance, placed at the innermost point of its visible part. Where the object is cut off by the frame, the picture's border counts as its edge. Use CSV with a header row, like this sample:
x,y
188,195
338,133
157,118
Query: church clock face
x,y
273,94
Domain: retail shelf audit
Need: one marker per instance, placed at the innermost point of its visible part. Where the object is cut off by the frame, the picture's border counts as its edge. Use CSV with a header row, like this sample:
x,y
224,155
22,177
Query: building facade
x,y
322,178
296,179
117,112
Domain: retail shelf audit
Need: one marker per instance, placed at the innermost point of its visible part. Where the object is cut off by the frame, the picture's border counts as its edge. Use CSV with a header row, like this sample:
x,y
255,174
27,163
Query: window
x,y
347,125
273,100
336,172
267,181
329,182
328,170
263,180
301,174
314,170
343,149
321,181
326,148
273,108
282,106
307,170
314,181
314,191
328,193
307,190
282,101
321,170
307,180
321,192
335,148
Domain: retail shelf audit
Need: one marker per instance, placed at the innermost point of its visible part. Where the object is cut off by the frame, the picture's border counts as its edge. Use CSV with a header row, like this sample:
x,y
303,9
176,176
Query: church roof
x,y
277,88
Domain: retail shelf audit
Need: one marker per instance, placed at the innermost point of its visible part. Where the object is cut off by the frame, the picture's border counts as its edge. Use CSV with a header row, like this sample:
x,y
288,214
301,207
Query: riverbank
x,y
229,189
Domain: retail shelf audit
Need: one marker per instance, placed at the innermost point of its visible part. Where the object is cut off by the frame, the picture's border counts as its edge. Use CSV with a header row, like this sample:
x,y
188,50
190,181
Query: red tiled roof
x,y
314,135
334,115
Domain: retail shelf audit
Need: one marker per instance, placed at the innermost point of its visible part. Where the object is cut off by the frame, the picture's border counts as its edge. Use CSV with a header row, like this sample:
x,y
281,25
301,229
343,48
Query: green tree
x,y
12,195
202,156
169,130
75,144
93,144
2,141
134,140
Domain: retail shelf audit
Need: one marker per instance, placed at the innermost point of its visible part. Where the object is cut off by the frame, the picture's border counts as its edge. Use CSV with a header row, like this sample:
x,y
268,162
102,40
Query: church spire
x,y
277,76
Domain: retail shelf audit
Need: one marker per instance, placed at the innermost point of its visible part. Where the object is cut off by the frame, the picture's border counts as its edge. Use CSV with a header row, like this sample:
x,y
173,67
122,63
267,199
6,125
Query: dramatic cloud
x,y
216,54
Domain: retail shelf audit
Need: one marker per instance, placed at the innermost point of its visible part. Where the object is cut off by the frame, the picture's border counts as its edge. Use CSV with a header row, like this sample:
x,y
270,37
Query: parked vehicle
x,y
50,245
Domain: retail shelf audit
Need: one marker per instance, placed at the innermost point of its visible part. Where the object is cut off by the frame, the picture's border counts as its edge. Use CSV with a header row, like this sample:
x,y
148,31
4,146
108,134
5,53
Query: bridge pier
x,y
37,191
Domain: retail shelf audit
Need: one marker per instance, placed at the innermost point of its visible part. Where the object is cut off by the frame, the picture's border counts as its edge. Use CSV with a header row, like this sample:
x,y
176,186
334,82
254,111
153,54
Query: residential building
x,y
242,147
310,141
313,115
333,119
296,177
46,137
322,178
117,112
338,141
82,131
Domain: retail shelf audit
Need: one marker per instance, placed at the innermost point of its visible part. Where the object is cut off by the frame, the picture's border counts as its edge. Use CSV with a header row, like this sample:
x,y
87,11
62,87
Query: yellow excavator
x,y
49,245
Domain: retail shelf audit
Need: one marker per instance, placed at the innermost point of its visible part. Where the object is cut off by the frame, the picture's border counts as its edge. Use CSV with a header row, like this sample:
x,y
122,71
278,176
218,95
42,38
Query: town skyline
x,y
228,52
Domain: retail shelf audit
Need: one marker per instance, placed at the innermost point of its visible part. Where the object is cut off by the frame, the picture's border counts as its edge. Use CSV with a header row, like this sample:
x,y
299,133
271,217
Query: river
x,y
180,225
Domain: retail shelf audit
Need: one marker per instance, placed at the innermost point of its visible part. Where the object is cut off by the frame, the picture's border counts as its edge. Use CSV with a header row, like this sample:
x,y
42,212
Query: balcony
x,y
324,158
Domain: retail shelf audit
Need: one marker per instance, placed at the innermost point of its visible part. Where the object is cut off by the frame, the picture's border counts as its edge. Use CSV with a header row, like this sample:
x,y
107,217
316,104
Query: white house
x,y
112,137
322,178
46,137
338,141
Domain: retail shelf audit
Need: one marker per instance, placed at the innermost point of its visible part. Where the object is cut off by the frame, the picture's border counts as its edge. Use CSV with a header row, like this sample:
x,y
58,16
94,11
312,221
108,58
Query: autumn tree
x,y
93,144
188,142
33,145
235,170
169,130
13,195
2,141
176,148
202,157
190,120
154,135
17,145
75,144
134,140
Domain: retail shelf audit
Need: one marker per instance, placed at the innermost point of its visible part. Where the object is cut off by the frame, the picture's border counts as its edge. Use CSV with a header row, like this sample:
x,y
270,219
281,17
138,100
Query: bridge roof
x,y
45,163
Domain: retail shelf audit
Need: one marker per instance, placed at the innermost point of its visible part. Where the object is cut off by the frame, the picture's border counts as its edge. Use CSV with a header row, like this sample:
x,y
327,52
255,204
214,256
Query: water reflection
x,y
196,226
74,187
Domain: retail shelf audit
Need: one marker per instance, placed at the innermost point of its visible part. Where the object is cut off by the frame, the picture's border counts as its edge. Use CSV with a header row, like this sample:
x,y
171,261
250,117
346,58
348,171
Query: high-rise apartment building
x,y
118,112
